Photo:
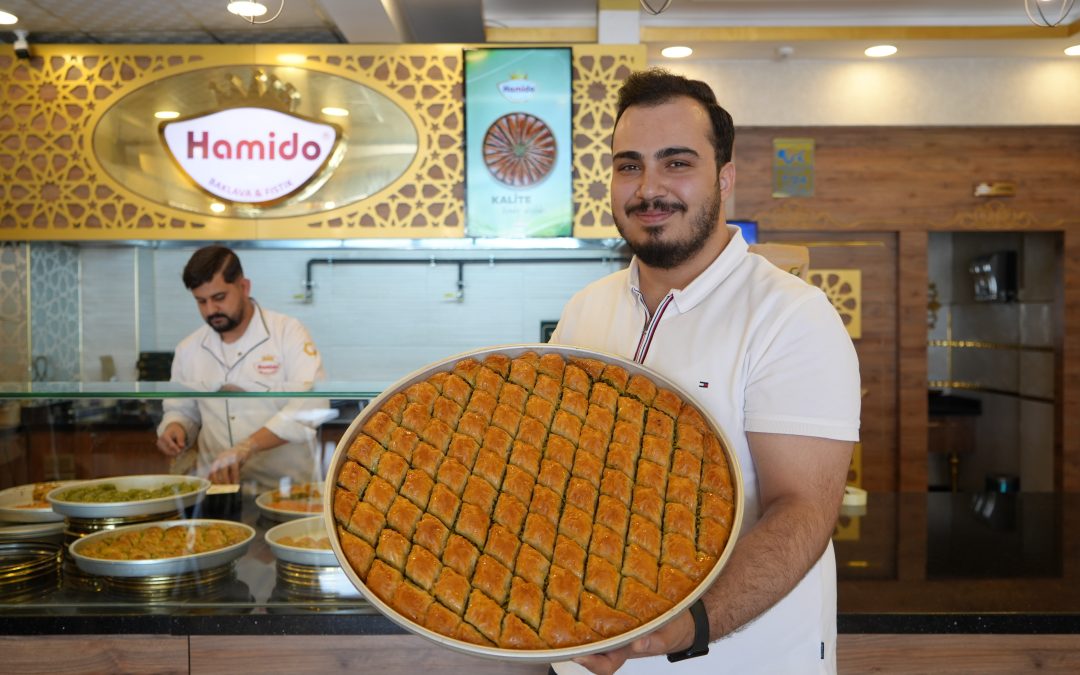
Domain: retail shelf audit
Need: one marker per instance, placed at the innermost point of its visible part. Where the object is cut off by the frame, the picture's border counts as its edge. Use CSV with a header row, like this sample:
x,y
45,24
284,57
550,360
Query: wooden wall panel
x,y
159,654
915,180
383,654
945,654
874,254
911,300
1067,414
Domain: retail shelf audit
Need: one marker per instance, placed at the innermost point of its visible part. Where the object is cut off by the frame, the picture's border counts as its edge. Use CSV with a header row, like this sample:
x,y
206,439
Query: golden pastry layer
x,y
535,502
153,543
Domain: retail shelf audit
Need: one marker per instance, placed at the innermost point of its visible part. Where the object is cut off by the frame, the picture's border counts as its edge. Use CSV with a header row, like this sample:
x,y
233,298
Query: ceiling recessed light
x,y
7,18
291,59
880,50
1073,51
166,114
217,207
678,52
246,9
335,112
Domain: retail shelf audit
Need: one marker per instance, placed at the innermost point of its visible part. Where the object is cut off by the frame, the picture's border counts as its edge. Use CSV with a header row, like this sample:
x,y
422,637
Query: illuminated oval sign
x,y
251,155
238,108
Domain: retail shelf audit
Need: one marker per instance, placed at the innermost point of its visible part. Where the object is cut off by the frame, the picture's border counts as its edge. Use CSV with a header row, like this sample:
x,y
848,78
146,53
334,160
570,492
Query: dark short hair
x,y
656,86
208,261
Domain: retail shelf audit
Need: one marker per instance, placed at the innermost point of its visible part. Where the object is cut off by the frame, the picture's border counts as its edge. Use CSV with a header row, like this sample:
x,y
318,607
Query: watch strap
x,y
700,646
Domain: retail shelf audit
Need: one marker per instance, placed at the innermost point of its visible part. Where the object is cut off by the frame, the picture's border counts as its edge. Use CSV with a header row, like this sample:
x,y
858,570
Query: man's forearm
x,y
767,563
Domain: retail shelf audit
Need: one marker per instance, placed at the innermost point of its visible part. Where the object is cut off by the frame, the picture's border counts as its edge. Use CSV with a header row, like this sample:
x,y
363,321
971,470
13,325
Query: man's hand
x,y
227,465
173,440
675,636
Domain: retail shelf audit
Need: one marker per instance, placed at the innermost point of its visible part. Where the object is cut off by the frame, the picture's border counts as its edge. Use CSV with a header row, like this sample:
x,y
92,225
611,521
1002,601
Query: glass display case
x,y
74,431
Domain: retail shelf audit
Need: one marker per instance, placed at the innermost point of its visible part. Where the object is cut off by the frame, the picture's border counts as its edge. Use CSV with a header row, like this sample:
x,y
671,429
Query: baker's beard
x,y
227,325
669,254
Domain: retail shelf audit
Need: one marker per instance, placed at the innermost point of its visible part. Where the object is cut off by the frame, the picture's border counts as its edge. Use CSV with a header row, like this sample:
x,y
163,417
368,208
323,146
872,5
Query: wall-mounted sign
x,y
254,156
517,143
793,167
255,142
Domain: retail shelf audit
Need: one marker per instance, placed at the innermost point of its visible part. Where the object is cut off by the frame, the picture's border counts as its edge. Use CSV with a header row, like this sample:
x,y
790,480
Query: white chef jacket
x,y
761,351
275,353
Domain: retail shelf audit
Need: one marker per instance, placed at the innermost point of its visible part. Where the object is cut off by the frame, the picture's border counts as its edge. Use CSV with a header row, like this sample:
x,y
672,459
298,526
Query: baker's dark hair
x,y
208,261
656,86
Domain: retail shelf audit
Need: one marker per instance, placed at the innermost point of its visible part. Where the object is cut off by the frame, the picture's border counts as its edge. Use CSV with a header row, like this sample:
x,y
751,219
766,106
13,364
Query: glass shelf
x,y
156,390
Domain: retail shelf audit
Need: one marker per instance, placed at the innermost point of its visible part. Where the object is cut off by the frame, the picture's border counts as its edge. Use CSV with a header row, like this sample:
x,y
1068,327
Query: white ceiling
x,y
816,29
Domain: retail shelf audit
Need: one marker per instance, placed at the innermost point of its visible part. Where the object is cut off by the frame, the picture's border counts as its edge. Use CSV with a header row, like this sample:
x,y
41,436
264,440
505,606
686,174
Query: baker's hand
x,y
173,440
227,465
675,636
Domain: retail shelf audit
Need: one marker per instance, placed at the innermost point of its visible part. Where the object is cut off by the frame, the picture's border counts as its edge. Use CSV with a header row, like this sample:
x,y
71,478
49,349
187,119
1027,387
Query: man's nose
x,y
650,185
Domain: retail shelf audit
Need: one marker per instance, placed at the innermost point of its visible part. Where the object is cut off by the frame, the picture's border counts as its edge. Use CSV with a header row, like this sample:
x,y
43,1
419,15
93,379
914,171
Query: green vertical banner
x,y
518,173
793,167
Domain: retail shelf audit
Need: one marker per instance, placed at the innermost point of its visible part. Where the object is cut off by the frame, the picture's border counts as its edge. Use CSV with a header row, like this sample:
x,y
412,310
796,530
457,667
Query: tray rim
x,y
296,555
284,515
160,566
10,514
144,507
531,655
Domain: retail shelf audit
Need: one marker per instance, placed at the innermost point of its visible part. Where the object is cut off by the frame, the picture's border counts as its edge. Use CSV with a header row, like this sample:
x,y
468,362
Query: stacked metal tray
x,y
28,566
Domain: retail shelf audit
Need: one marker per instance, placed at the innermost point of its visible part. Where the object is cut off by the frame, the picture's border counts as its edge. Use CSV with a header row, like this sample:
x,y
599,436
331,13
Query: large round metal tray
x,y
313,526
529,655
162,566
132,508
13,501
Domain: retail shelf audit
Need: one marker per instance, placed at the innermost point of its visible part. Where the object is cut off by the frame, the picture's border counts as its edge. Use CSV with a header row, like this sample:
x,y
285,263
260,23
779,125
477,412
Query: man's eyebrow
x,y
677,150
636,156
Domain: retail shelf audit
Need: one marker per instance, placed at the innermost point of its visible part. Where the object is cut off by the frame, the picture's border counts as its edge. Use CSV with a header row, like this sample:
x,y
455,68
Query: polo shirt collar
x,y
697,290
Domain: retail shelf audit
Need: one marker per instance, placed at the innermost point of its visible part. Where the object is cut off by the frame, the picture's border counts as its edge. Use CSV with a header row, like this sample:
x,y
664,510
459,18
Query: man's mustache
x,y
216,316
655,205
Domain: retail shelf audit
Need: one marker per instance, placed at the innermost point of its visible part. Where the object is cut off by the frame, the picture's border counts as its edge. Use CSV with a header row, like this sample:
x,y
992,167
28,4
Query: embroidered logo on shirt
x,y
268,365
703,384
309,349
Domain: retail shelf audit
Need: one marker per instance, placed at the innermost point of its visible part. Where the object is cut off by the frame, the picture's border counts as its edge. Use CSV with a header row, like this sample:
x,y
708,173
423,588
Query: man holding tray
x,y
243,347
765,354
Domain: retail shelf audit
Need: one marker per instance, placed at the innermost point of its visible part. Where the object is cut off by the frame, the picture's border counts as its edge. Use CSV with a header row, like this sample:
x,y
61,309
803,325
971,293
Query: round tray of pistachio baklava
x,y
533,502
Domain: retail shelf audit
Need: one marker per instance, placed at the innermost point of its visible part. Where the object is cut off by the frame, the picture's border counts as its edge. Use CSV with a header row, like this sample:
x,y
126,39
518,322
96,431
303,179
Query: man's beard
x,y
230,322
668,255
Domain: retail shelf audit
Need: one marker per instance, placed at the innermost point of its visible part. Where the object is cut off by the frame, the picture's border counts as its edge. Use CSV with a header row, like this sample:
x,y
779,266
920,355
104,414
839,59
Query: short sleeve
x,y
804,378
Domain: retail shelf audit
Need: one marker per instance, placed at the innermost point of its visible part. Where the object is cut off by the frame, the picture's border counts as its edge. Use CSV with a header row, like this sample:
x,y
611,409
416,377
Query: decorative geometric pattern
x,y
54,321
844,290
14,354
598,72
52,187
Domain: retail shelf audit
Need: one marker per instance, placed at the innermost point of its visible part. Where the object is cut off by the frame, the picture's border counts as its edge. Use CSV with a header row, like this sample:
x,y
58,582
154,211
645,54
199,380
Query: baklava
x,y
533,502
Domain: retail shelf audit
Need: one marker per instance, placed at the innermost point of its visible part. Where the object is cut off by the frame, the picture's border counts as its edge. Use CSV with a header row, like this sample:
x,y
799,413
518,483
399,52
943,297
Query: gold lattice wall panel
x,y
52,188
844,290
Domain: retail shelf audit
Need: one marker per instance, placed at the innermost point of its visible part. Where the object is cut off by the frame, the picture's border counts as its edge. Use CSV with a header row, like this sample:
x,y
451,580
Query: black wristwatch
x,y
700,647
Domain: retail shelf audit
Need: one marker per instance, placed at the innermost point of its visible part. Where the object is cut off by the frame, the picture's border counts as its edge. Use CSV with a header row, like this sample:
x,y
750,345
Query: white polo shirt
x,y
761,351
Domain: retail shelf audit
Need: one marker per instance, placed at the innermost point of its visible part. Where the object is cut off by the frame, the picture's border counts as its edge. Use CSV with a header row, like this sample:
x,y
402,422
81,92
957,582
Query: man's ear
x,y
245,284
726,178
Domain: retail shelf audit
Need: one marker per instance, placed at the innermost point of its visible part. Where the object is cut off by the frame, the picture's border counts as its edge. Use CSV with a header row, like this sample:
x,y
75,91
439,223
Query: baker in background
x,y
762,351
243,347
